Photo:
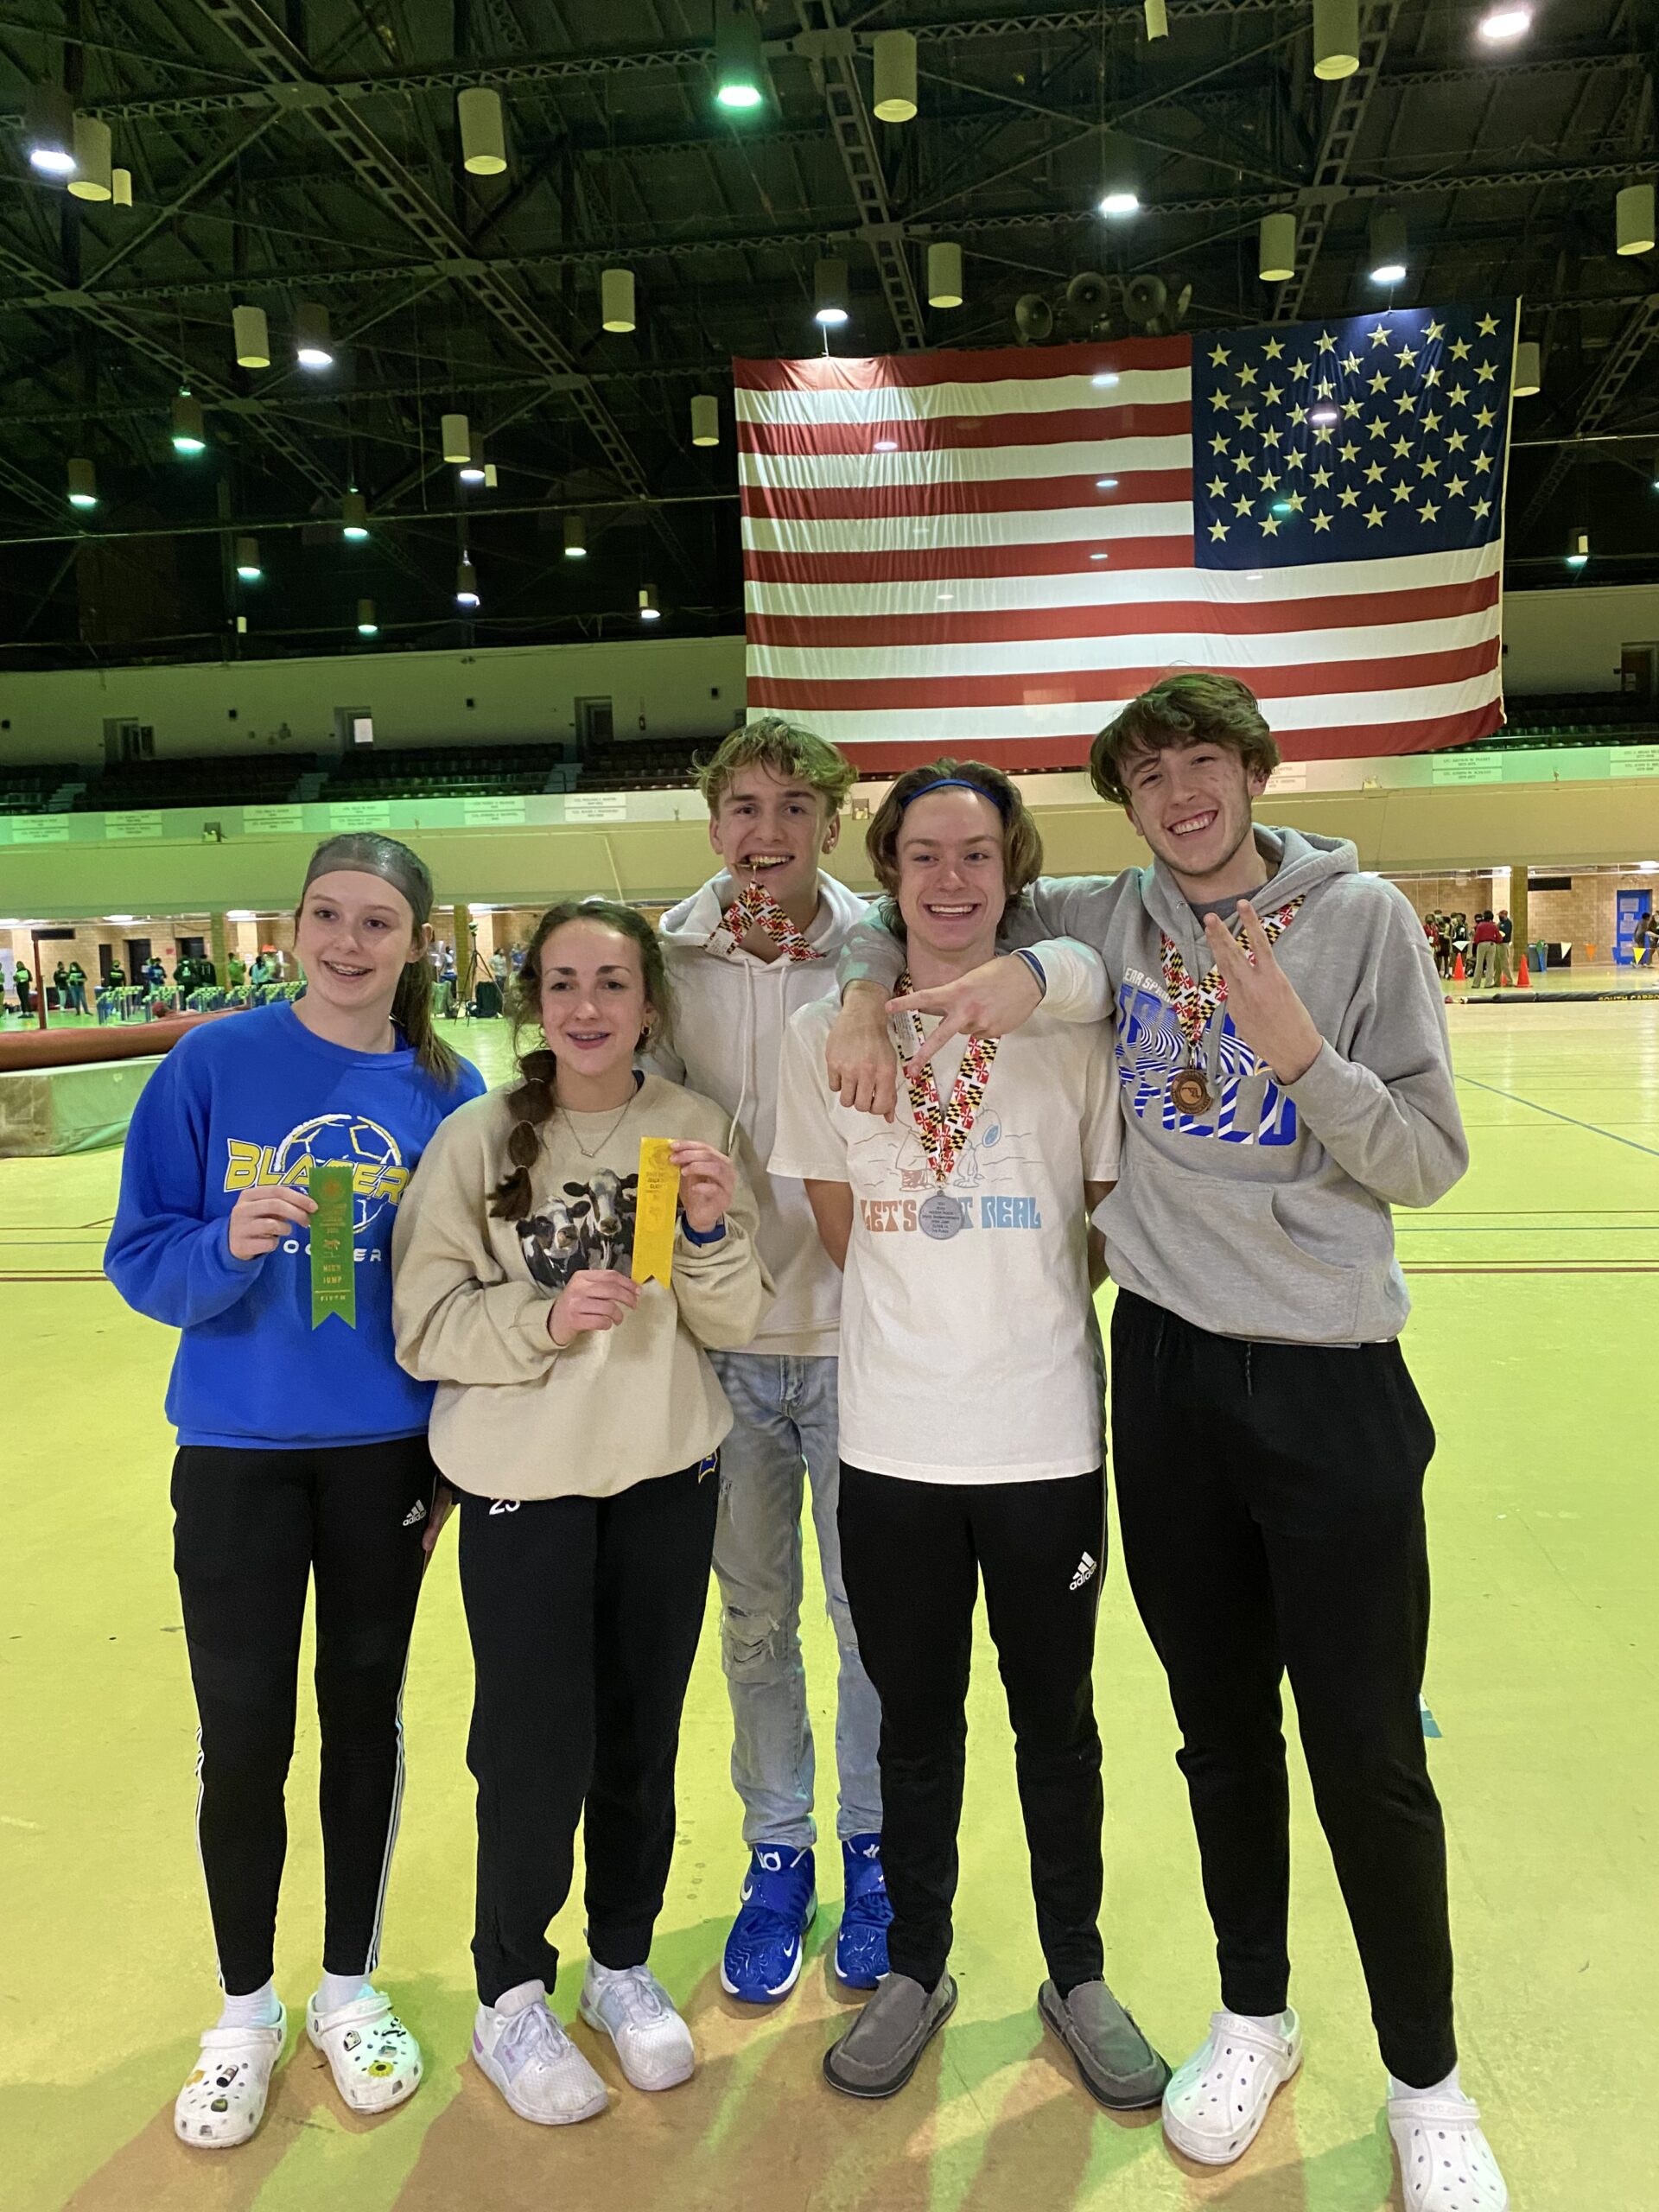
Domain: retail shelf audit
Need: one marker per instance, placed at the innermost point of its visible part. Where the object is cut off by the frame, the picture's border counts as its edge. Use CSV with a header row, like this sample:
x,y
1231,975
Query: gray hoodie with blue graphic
x,y
1266,1217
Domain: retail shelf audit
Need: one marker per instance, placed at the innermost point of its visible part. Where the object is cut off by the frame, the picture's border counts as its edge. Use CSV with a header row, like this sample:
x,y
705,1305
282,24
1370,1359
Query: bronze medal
x,y
1191,1091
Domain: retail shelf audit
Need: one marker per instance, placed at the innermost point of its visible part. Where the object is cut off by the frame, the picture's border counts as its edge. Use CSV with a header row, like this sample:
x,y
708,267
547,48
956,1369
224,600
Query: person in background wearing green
x,y
115,979
236,968
77,987
21,981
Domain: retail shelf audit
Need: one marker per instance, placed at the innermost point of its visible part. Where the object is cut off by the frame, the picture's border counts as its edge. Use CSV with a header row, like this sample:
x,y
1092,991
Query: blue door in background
x,y
1628,908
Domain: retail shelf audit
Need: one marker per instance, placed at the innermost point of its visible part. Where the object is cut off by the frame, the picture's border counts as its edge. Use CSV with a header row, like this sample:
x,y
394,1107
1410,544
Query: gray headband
x,y
366,852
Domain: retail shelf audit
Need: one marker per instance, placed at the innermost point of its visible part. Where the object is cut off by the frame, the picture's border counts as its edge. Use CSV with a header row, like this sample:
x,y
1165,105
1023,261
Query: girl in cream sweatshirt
x,y
581,1421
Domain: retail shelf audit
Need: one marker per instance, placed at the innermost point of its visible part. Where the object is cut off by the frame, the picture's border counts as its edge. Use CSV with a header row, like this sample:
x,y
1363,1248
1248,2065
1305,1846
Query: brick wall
x,y
1581,916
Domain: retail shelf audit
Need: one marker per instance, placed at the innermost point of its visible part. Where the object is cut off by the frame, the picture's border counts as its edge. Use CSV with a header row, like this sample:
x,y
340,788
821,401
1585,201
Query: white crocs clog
x,y
224,2100
1445,2161
375,2061
1214,2105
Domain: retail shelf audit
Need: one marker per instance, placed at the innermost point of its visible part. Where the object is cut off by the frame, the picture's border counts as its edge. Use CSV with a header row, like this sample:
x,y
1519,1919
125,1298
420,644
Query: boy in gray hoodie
x,y
1284,1078
758,941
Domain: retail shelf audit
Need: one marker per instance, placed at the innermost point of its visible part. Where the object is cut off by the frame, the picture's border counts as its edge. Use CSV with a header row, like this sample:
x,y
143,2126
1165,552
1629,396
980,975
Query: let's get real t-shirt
x,y
974,1357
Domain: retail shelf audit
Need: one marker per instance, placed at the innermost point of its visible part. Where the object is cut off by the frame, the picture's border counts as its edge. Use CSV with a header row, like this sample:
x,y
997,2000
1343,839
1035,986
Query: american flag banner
x,y
989,552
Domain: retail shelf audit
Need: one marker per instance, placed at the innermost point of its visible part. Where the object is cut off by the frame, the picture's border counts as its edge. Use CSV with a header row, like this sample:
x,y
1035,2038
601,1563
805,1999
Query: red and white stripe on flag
x,y
988,553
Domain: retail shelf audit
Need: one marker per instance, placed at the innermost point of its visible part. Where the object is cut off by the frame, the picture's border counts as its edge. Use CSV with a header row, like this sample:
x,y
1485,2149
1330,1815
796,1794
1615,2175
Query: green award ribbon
x,y
333,1255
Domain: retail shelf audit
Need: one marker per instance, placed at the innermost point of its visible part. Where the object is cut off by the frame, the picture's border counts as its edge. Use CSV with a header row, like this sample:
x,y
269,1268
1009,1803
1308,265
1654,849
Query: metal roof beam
x,y
1605,389
1342,128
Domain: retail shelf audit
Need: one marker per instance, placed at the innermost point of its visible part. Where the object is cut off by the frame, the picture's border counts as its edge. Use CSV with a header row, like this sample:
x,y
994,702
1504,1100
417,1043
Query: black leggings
x,y
249,1531
1271,1502
913,1554
584,1614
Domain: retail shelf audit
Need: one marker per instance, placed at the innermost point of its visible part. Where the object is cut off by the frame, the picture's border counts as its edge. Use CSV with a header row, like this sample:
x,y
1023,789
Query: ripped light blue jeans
x,y
784,1432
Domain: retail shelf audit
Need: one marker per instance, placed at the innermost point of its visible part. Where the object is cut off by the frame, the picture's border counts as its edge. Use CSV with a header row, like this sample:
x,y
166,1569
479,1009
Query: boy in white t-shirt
x,y
970,1400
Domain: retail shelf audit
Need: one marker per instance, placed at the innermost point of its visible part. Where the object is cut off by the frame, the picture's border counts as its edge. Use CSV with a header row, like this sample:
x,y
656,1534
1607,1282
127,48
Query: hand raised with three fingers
x,y
1266,1010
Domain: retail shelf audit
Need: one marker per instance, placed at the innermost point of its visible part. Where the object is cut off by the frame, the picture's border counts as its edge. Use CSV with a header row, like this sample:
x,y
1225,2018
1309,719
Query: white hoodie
x,y
730,1014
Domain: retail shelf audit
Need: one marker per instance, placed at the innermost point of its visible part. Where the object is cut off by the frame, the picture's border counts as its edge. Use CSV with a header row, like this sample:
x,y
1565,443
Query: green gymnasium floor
x,y
1534,1339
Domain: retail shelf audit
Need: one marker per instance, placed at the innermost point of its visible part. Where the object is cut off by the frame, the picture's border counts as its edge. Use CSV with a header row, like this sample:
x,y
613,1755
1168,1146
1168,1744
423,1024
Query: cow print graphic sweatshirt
x,y
515,1417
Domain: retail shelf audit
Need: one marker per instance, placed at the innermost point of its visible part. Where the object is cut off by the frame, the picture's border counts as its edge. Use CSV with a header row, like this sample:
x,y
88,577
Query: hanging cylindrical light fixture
x,y
83,484
189,432
895,76
366,625
247,560
354,518
251,329
456,436
483,133
740,65
121,187
313,347
705,419
1529,368
1336,39
472,469
491,481
649,610
1633,218
465,583
1275,247
1578,548
944,274
616,299
576,538
49,130
92,148
829,294
1157,16
1387,257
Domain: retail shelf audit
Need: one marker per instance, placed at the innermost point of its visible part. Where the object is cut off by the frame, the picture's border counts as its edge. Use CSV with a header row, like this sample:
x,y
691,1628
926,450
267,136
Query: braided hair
x,y
534,1096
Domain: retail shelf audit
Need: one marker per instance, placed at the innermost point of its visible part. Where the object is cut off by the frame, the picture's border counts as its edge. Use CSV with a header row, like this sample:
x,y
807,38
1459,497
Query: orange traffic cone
x,y
1458,974
1524,982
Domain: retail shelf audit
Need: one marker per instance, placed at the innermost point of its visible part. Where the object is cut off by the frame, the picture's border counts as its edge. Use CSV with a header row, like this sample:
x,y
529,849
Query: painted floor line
x,y
1595,1129
1542,1267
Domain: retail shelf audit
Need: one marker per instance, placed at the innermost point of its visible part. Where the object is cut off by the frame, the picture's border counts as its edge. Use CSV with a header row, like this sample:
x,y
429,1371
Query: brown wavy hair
x,y
534,1096
770,742
1022,841
366,852
1195,706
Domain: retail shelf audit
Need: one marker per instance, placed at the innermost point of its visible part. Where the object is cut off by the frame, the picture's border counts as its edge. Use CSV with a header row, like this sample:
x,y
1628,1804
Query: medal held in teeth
x,y
1191,1091
942,1130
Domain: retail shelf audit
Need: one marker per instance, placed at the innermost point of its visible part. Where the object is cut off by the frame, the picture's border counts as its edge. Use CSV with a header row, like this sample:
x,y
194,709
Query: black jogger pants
x,y
912,1554
584,1615
1271,1502
250,1530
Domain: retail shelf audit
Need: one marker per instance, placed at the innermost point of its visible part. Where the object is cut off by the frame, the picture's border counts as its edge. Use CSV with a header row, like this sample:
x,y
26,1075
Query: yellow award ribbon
x,y
657,1209
333,1275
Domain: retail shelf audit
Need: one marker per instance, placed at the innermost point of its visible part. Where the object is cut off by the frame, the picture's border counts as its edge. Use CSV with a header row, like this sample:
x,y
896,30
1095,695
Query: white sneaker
x,y
224,2100
375,2061
535,2066
631,2006
1445,2161
1214,2105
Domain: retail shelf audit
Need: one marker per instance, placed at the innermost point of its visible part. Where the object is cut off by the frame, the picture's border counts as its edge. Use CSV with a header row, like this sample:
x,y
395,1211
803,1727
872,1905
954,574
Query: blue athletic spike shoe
x,y
764,1948
861,1939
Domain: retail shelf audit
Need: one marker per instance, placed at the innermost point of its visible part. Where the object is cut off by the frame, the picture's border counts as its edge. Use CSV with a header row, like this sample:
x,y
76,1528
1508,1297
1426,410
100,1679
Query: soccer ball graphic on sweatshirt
x,y
359,1141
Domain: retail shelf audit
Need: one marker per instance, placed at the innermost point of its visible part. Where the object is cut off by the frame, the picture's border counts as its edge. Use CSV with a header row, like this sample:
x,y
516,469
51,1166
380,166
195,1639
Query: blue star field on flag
x,y
1358,438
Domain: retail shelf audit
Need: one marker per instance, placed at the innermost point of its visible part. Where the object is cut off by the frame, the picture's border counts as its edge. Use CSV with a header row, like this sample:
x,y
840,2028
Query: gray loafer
x,y
880,2052
1120,2068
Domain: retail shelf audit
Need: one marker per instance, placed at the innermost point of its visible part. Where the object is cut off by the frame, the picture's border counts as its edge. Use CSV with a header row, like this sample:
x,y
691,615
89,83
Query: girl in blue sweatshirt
x,y
302,1447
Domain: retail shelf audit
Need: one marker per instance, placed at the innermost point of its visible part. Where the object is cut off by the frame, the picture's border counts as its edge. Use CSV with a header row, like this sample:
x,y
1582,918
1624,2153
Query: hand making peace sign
x,y
1267,1013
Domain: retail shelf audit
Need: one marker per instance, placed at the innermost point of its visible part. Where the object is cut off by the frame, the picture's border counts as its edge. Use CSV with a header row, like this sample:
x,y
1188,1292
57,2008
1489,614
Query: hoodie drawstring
x,y
747,1048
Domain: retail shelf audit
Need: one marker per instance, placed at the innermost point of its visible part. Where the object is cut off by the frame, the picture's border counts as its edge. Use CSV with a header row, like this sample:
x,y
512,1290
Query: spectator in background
x,y
115,979
1460,945
236,969
259,973
1505,945
77,987
1486,942
499,968
20,981
60,984
154,973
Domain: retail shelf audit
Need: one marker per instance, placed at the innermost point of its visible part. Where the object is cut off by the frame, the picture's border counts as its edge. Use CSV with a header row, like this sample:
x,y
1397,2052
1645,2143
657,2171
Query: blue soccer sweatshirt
x,y
256,1098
